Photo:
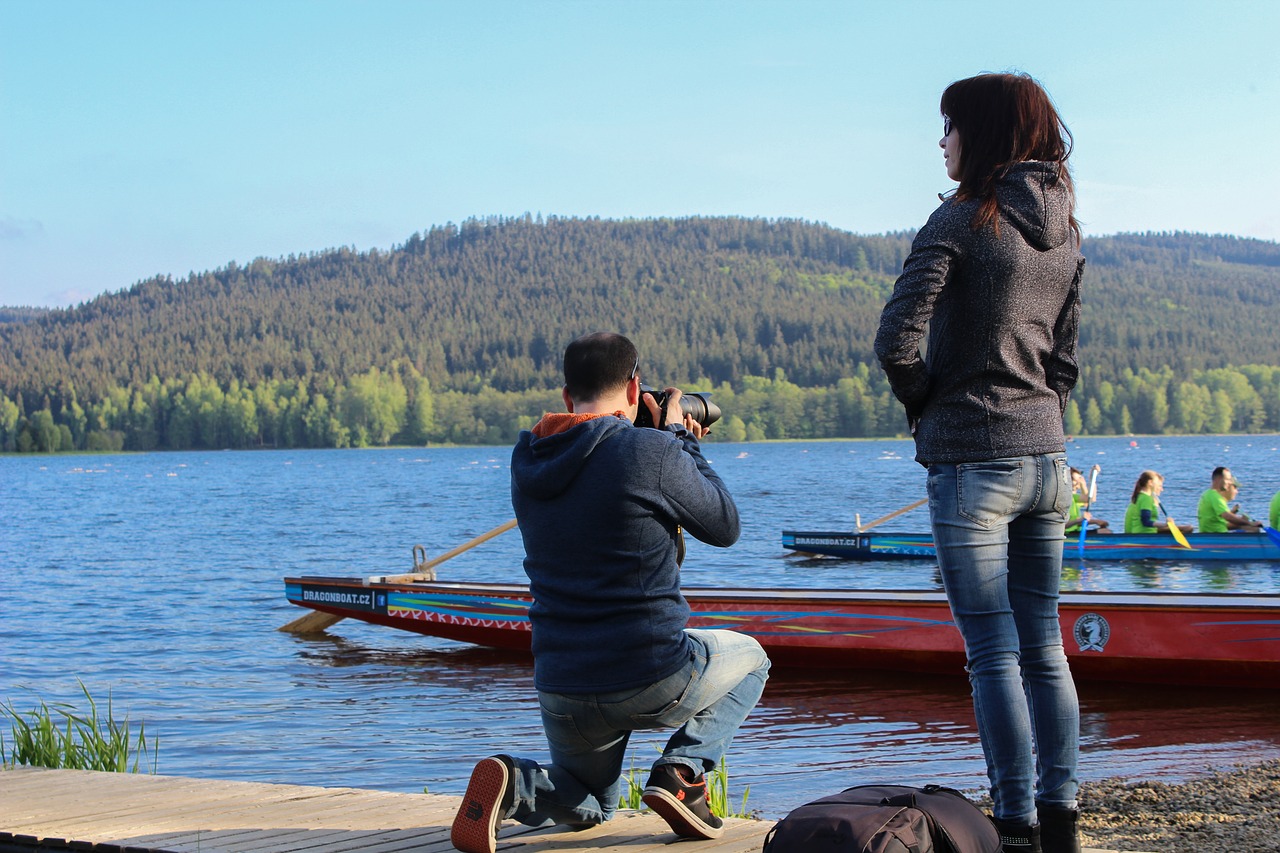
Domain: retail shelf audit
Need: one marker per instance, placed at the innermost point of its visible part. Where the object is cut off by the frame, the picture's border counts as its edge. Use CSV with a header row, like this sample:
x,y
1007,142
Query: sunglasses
x,y
946,126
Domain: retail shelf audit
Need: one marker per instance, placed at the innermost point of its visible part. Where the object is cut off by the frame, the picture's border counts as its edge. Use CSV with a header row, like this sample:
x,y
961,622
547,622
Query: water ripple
x,y
157,578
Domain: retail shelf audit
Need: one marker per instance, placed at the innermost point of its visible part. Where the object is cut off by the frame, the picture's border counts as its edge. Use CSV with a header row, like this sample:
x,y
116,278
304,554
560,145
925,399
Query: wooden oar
x,y
894,514
1178,535
316,621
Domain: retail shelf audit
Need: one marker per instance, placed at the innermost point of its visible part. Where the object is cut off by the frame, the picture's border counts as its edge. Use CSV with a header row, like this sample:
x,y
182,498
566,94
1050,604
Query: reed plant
x,y
60,736
717,792
630,798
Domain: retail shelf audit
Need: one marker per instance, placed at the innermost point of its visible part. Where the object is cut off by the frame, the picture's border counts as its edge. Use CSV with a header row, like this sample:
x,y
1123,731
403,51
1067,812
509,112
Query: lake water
x,y
156,578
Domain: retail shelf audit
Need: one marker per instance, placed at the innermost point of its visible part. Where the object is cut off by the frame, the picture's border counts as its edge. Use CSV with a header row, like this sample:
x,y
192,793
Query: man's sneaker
x,y
489,796
682,803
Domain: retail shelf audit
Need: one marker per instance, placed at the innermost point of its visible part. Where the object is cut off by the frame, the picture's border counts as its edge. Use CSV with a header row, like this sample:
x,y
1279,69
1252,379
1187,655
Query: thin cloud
x,y
20,229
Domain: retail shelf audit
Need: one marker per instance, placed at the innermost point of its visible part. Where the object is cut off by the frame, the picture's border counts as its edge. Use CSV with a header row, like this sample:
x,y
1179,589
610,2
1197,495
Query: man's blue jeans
x,y
708,699
998,528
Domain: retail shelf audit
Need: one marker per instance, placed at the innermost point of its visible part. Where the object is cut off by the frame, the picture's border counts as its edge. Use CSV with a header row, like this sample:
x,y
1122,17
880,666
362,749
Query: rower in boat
x,y
1143,514
1215,517
1083,495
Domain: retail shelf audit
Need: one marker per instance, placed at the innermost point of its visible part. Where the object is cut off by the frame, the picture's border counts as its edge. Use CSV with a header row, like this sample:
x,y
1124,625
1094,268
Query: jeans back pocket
x,y
988,493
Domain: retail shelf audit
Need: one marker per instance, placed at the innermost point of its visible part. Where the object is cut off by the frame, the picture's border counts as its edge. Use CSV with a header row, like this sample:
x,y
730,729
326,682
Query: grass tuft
x,y
59,736
717,792
630,798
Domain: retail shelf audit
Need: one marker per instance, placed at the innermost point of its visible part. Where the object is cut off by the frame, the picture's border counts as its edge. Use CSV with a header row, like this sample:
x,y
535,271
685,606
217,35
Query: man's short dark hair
x,y
597,364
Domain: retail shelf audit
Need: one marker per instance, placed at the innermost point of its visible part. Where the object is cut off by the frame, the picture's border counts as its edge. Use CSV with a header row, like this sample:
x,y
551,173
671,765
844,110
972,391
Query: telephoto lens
x,y
695,403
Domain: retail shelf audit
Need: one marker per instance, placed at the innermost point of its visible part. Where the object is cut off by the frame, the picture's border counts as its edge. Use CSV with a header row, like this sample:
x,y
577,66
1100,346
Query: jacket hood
x,y
1039,206
543,468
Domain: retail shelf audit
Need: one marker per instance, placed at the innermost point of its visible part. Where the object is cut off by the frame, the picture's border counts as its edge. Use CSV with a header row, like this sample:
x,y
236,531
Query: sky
x,y
165,138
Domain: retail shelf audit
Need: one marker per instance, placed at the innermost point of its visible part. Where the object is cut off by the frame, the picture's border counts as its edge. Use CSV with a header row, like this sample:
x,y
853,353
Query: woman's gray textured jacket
x,y
1002,307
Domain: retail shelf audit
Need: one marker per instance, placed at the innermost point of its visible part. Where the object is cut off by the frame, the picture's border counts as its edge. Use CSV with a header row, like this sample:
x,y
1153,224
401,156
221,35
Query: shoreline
x,y
1236,809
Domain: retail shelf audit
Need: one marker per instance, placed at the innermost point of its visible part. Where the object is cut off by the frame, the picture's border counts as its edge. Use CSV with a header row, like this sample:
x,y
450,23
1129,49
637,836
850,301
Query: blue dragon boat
x,y
1235,547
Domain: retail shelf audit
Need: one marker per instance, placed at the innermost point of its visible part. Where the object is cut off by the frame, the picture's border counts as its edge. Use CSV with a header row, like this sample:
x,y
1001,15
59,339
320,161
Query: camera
x,y
695,403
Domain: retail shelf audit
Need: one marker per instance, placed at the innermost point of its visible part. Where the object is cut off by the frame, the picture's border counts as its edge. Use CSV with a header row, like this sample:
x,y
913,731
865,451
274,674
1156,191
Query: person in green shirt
x,y
1275,511
1143,514
1082,498
1214,514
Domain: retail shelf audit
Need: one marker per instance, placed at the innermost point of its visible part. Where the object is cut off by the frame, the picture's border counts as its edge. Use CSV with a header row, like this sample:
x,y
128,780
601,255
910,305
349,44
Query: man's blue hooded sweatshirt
x,y
599,502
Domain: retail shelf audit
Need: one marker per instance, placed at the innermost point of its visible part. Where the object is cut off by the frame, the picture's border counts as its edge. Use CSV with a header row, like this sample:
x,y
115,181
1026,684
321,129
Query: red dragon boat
x,y
1172,638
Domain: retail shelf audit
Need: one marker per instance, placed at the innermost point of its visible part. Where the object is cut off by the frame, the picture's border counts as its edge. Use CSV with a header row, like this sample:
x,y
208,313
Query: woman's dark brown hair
x,y
1003,119
1144,480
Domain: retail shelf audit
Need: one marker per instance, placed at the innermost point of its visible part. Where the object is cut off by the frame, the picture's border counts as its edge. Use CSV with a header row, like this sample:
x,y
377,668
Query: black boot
x,y
1059,829
1018,837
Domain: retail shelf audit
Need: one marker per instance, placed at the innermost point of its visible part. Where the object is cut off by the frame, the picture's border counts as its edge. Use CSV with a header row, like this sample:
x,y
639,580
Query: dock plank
x,y
180,814
183,815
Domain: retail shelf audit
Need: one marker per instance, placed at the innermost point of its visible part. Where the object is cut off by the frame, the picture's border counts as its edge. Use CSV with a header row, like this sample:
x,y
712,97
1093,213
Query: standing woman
x,y
995,276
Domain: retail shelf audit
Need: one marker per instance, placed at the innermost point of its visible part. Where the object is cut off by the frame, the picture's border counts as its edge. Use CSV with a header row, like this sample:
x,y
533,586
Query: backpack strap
x,y
907,799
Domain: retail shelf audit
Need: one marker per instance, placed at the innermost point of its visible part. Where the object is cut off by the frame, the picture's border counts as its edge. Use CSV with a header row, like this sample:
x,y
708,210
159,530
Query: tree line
x,y
399,406
456,336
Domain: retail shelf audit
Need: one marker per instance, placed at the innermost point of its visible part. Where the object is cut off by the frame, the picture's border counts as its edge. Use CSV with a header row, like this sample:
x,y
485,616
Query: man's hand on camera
x,y
694,427
674,414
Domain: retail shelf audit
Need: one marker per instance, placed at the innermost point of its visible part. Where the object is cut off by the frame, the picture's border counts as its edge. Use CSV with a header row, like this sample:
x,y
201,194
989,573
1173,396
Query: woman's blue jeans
x,y
998,528
707,699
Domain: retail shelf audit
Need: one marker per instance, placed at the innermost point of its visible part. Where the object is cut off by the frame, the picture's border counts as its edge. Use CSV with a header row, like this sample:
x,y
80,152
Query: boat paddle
x,y
1178,535
894,514
1084,522
316,621
1273,533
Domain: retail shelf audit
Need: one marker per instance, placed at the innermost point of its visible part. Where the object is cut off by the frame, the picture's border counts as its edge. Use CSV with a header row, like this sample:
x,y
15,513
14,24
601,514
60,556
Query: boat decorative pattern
x,y
775,623
466,610
1275,623
1177,638
513,614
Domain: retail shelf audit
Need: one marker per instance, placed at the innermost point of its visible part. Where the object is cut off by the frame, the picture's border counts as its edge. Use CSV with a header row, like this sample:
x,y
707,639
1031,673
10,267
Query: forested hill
x,y
1188,301
490,304
493,299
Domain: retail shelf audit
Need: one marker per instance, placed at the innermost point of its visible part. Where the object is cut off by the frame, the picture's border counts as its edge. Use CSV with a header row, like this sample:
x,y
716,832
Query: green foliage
x,y
400,407
717,791
456,337
59,736
631,797
1072,423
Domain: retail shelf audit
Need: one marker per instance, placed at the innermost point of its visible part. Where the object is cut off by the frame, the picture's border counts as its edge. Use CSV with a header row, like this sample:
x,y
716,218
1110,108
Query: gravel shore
x,y
1236,810
1232,810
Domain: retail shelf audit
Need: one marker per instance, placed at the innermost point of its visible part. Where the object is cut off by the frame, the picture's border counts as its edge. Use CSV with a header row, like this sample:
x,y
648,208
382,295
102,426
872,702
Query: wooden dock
x,y
133,813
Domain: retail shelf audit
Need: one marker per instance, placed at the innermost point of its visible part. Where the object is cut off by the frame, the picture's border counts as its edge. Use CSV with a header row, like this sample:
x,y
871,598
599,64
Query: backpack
x,y
886,819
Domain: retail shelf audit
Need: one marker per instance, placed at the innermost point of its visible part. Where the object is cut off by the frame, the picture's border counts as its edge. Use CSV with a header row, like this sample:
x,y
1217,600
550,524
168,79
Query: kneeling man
x,y
601,505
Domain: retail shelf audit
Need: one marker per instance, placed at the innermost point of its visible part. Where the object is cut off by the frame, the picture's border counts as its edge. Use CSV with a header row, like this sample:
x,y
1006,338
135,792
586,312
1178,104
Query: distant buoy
x,y
1133,444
